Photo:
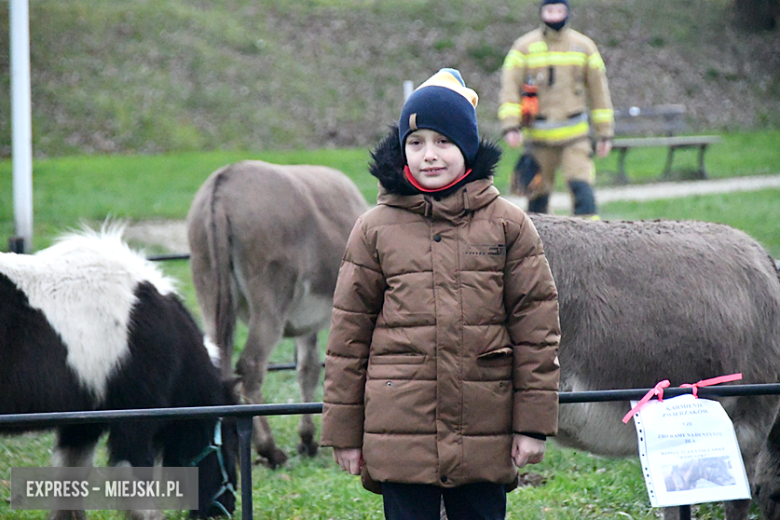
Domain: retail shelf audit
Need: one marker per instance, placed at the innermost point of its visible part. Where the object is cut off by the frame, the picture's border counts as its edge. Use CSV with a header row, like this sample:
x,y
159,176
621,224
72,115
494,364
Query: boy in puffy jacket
x,y
441,372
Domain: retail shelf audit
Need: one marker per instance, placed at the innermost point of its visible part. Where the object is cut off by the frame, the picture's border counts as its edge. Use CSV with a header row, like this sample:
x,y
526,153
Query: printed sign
x,y
689,452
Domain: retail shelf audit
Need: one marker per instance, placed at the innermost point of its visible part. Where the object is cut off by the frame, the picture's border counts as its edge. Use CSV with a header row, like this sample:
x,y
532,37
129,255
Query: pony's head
x,y
217,476
217,462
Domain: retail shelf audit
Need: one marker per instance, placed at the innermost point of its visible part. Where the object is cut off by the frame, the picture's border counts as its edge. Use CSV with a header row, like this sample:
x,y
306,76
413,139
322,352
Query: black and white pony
x,y
89,324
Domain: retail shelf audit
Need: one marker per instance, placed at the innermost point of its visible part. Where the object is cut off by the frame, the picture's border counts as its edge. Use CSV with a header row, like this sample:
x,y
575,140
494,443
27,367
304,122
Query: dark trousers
x,y
480,501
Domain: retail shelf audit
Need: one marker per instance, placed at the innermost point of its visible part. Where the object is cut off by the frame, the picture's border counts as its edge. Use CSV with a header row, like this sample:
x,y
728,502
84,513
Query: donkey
x,y
89,324
651,300
266,242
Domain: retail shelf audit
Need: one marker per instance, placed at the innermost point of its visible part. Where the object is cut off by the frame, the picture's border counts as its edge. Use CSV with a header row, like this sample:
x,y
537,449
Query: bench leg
x,y
702,170
667,173
622,178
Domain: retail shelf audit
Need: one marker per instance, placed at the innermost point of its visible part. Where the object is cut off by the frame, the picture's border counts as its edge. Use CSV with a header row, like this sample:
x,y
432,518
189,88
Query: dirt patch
x,y
170,235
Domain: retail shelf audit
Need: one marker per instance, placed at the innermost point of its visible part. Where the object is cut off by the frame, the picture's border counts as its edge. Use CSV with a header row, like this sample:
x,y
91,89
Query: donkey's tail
x,y
219,240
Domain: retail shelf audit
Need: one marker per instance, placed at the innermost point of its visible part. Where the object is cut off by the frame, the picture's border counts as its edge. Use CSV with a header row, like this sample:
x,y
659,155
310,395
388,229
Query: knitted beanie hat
x,y
443,104
564,2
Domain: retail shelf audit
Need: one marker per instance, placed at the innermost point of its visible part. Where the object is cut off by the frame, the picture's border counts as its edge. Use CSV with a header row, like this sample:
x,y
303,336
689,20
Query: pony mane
x,y
108,245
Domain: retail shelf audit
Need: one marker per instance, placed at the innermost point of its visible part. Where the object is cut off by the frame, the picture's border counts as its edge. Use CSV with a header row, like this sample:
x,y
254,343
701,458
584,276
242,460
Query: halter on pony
x,y
216,447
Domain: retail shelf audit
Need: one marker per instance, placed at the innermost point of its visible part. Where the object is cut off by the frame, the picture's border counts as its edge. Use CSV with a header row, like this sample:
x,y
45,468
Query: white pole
x,y
408,89
21,114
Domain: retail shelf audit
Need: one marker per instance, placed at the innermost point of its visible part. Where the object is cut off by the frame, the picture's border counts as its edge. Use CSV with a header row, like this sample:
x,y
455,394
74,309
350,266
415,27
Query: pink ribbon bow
x,y
659,391
712,381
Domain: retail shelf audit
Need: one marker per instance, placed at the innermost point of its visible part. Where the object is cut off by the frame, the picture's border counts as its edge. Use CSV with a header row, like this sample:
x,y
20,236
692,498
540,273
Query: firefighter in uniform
x,y
553,88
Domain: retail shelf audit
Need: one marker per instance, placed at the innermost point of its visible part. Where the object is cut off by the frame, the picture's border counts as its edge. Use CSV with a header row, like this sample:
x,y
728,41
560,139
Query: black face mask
x,y
557,26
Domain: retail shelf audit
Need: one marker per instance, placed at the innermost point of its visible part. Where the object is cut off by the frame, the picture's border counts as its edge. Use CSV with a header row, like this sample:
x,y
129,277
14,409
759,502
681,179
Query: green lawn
x,y
577,485
71,189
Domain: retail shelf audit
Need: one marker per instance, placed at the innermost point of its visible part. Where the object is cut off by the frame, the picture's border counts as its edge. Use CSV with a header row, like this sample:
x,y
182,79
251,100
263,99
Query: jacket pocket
x,y
502,356
400,406
410,366
487,407
397,359
495,365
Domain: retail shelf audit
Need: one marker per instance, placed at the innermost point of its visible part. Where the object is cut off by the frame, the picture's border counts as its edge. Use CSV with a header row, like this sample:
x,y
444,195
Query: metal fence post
x,y
244,425
16,244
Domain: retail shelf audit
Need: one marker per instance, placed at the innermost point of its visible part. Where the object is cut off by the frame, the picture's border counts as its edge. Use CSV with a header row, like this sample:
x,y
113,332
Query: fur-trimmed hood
x,y
388,166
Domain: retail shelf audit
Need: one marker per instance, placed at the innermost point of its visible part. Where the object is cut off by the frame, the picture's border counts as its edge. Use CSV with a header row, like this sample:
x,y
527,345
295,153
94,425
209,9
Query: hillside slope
x,y
147,76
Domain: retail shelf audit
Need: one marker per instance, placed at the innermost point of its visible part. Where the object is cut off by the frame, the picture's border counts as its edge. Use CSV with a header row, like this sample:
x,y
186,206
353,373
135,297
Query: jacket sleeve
x,y
601,113
531,300
512,77
357,302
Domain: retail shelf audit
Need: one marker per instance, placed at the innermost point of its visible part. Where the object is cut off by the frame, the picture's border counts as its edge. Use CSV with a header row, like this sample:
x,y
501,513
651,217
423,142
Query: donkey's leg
x,y
736,509
75,448
309,365
752,417
264,334
671,513
750,443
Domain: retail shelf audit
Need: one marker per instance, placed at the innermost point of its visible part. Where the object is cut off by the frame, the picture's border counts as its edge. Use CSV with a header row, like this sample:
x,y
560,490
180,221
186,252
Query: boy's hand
x,y
350,459
527,450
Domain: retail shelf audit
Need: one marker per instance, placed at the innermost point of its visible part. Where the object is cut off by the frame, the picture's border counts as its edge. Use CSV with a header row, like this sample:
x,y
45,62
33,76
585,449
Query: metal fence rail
x,y
244,414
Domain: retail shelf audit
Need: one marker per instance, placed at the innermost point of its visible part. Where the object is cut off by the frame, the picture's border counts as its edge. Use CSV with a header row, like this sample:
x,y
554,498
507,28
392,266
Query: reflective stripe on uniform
x,y
561,133
544,124
547,59
602,115
596,62
509,110
514,59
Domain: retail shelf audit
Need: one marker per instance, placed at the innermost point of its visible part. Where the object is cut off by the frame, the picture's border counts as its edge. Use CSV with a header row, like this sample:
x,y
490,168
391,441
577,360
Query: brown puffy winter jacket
x,y
444,335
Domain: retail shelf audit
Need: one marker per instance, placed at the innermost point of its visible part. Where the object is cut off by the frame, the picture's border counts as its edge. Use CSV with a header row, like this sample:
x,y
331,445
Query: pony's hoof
x,y
273,460
308,448
68,515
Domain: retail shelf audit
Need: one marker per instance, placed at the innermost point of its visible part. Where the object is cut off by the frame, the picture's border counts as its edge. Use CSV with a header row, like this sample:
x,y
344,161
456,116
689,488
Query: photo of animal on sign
x,y
699,473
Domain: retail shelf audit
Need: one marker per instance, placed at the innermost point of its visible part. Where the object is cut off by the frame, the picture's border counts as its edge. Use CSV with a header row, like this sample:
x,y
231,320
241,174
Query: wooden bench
x,y
657,126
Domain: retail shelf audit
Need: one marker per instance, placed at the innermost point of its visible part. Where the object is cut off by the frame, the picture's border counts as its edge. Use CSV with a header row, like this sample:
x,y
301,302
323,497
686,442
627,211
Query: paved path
x,y
561,202
173,234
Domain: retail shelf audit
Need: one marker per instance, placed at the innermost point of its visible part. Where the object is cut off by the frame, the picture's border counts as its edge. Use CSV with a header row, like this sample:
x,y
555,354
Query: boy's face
x,y
554,13
433,159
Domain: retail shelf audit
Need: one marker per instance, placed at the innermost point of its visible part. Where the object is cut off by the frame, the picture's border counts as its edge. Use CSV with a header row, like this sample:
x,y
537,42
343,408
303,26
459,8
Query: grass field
x,y
136,187
576,485
176,75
